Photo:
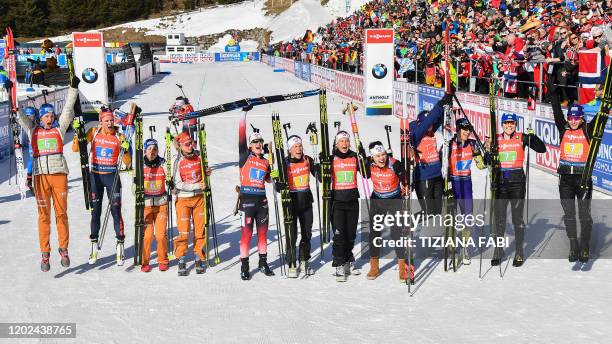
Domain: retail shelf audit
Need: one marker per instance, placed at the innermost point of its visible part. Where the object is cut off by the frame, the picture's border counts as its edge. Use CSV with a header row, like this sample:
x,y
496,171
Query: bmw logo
x,y
379,71
90,75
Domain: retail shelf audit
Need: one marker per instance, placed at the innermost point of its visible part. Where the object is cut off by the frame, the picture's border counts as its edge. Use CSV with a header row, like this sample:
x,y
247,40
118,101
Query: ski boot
x,y
519,258
340,273
93,254
308,271
163,267
65,261
293,271
350,268
466,257
145,268
244,269
44,263
182,267
497,254
574,248
263,265
585,252
120,253
374,269
200,267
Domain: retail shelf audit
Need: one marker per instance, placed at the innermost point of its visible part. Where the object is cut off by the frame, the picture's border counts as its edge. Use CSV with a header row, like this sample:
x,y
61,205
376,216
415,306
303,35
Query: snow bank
x,y
302,15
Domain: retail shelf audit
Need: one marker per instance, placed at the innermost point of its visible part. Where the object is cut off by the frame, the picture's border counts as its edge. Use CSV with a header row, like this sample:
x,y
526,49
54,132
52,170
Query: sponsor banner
x,y
378,72
323,77
410,100
202,57
286,64
237,57
306,71
232,48
90,66
350,86
61,59
428,97
398,104
546,130
5,132
297,69
602,171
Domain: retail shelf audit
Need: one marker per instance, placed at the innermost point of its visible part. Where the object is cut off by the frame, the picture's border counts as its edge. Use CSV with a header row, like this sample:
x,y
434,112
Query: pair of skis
x,y
210,210
20,174
81,134
278,157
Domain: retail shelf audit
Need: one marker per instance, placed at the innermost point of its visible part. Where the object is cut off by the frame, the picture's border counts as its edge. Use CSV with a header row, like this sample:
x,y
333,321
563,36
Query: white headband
x,y
293,140
378,149
342,135
254,137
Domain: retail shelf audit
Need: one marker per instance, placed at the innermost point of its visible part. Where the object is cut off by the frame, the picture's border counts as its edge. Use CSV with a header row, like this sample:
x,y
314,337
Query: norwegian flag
x,y
511,79
591,71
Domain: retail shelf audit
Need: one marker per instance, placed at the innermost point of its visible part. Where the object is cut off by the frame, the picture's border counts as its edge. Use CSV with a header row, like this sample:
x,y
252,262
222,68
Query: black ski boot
x,y
519,257
497,254
200,267
584,252
263,265
574,248
182,268
244,269
44,262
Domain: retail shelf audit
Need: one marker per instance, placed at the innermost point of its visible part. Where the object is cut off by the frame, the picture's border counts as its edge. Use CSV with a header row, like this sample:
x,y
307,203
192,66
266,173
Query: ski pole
x,y
255,130
151,130
110,202
181,88
388,130
279,233
337,125
285,126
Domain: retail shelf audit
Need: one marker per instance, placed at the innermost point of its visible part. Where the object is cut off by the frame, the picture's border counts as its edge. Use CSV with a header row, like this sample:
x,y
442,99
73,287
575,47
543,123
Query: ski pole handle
x,y
285,126
151,130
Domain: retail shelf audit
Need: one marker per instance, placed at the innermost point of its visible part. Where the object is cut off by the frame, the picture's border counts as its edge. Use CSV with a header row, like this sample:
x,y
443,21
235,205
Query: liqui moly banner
x,y
378,72
90,66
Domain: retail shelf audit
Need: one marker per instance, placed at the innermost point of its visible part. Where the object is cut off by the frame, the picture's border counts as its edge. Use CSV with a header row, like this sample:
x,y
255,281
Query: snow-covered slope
x,y
302,15
292,23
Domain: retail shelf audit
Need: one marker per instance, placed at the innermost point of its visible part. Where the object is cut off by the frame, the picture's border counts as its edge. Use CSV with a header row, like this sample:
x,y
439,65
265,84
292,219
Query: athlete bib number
x,y
256,174
345,177
103,152
49,144
463,165
300,181
573,149
153,186
507,156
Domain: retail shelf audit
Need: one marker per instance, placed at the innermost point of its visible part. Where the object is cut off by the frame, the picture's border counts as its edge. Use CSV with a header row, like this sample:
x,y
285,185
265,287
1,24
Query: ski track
x,y
543,301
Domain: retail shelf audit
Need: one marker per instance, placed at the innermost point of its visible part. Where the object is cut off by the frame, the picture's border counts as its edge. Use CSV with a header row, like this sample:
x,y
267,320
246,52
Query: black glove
x,y
8,84
322,157
247,108
361,151
266,148
278,186
74,82
488,158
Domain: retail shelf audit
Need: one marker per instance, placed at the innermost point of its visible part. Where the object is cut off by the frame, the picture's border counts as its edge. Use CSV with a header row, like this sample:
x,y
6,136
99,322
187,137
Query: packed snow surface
x,y
542,302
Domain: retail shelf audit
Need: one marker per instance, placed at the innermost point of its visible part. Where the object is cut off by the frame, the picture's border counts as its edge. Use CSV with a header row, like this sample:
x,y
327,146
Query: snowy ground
x,y
544,301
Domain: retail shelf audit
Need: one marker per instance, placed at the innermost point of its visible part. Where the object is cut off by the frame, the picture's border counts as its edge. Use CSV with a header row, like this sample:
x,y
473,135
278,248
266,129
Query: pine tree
x,y
30,20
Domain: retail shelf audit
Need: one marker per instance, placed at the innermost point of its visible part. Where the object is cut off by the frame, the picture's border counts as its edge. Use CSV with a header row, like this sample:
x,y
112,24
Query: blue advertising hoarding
x,y
237,57
428,97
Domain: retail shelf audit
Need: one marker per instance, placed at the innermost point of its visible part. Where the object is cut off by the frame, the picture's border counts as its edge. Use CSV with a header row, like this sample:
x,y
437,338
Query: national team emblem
x,y
90,75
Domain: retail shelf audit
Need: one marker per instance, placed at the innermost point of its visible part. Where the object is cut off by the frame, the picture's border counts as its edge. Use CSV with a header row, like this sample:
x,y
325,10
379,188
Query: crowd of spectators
x,y
528,44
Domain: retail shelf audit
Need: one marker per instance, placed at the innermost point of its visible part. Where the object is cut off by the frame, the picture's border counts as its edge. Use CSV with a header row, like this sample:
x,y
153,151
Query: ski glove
x,y
530,132
76,124
279,186
125,145
274,174
8,84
